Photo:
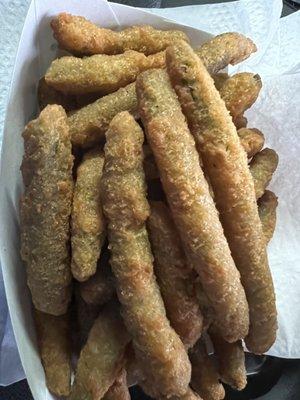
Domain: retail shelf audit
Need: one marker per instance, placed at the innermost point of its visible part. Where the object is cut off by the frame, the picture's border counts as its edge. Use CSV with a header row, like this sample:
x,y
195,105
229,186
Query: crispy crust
x,y
267,206
252,140
53,334
174,275
240,91
88,225
222,50
231,361
80,36
205,377
190,202
99,74
158,348
225,162
262,167
88,125
102,357
45,209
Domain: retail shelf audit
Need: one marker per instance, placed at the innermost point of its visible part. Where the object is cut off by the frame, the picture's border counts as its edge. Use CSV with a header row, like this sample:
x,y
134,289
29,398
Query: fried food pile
x,y
145,217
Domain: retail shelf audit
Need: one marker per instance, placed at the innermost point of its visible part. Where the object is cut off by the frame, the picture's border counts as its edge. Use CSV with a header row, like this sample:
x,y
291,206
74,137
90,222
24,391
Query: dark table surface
x,y
280,379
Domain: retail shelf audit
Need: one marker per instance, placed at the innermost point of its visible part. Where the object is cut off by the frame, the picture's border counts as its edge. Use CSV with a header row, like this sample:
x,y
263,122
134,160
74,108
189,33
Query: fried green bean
x,y
252,140
99,74
267,205
119,389
205,377
53,335
174,275
240,91
99,288
190,202
48,95
45,210
89,124
231,361
80,36
102,357
262,167
88,225
225,163
222,50
158,348
189,395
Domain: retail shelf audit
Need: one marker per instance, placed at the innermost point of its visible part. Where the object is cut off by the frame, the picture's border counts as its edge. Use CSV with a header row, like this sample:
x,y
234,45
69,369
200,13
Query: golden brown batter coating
x,y
205,377
240,91
227,48
267,206
252,140
89,124
45,209
157,60
53,335
225,163
189,395
262,167
158,348
119,389
231,361
48,95
102,357
100,287
80,36
174,275
190,202
99,74
88,225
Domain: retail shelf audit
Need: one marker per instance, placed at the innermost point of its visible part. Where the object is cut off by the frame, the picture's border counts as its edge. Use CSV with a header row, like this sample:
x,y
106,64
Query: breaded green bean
x,y
100,73
219,79
53,335
225,163
100,287
80,36
45,209
252,140
262,167
88,125
48,95
231,361
267,205
158,348
88,225
190,202
205,377
240,91
222,50
174,275
102,357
